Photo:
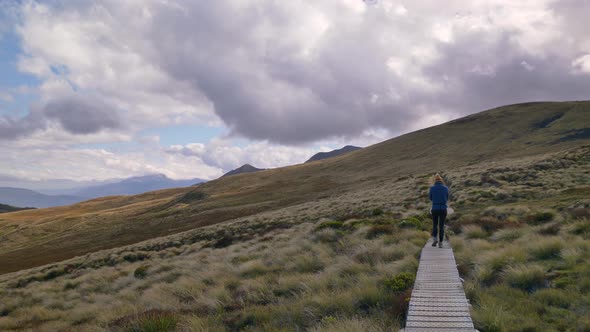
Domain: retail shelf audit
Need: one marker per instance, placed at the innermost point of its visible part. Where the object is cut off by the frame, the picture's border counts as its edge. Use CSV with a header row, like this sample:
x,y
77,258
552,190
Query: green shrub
x,y
327,235
141,272
528,278
377,212
400,282
540,218
54,273
551,229
377,230
134,257
225,240
192,197
581,228
5,310
154,320
331,224
413,222
489,224
71,285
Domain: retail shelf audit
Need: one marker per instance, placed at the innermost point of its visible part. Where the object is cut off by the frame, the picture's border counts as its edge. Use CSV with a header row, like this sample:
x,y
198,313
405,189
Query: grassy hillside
x,y
342,263
497,136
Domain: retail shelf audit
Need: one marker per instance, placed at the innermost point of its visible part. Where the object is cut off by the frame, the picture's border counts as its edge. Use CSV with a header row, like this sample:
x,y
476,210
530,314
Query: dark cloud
x,y
260,84
12,128
79,115
294,72
514,75
76,114
263,88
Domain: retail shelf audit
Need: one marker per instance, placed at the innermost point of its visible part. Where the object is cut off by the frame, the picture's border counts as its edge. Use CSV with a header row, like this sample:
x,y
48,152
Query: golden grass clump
x,y
289,279
474,232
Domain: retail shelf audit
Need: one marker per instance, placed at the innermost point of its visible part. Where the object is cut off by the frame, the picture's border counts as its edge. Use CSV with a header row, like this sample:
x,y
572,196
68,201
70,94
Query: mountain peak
x,y
333,153
246,168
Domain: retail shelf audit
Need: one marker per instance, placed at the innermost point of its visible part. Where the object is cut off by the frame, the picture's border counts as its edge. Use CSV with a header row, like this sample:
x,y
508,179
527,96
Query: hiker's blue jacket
x,y
439,195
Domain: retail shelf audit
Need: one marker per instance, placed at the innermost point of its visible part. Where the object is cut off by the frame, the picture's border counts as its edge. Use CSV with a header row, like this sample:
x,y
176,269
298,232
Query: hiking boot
x,y
440,244
434,242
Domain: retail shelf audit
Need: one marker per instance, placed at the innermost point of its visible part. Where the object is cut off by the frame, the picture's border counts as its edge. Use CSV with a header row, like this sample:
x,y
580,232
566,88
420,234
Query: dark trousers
x,y
438,224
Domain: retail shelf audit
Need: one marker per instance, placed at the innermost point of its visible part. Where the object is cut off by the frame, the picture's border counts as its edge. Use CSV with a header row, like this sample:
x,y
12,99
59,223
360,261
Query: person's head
x,y
438,179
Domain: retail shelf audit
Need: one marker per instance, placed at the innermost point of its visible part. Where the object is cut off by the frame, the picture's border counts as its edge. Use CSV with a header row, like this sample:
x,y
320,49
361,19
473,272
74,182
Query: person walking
x,y
439,195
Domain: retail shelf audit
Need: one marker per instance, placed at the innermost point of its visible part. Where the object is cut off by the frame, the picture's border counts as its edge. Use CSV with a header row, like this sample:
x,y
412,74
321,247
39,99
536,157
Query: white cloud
x,y
226,155
582,63
527,66
99,164
401,10
101,49
318,73
277,71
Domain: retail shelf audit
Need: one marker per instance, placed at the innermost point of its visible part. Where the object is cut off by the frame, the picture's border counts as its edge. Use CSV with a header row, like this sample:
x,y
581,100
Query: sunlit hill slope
x,y
36,237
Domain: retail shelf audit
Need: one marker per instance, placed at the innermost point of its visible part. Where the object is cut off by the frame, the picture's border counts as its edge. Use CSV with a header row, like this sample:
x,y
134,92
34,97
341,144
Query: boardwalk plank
x,y
438,301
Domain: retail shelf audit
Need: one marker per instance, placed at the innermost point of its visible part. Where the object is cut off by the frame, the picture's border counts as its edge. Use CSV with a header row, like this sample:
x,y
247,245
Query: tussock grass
x,y
553,297
332,324
306,277
525,277
474,232
147,321
507,235
545,248
322,264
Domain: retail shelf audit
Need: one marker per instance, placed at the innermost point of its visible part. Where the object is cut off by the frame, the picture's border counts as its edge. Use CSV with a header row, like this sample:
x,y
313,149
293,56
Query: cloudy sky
x,y
92,90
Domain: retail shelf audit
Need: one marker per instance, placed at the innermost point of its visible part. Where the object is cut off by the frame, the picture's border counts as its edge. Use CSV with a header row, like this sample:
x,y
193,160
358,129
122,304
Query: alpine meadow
x,y
331,245
294,166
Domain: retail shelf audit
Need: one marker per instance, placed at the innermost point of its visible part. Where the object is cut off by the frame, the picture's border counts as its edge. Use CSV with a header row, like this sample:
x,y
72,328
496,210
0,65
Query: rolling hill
x,y
246,168
515,132
333,153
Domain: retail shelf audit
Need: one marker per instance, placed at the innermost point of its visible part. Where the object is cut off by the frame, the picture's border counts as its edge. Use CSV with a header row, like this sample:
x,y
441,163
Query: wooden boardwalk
x,y
438,301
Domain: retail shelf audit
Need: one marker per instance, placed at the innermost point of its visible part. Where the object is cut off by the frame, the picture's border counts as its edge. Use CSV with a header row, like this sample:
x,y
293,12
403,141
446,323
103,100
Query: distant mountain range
x,y
7,208
136,185
24,197
246,168
334,153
